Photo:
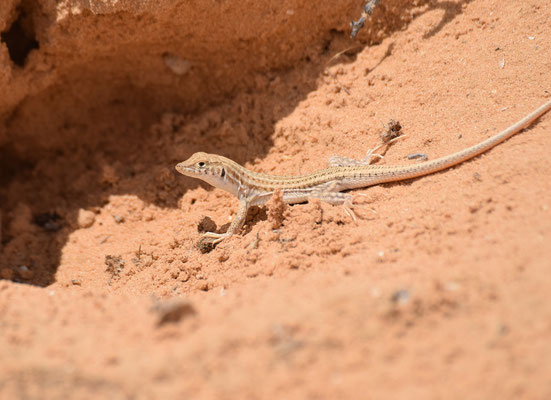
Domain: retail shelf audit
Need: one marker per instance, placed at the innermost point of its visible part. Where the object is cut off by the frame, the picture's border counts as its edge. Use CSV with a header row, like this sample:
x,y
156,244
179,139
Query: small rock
x,y
224,256
173,310
206,224
415,156
400,297
85,218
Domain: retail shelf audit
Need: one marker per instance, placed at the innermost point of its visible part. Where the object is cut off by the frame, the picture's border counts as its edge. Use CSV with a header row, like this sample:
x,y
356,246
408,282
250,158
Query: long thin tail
x,y
441,163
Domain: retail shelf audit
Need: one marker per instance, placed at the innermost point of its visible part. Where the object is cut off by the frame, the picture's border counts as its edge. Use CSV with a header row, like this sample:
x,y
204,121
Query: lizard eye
x,y
201,164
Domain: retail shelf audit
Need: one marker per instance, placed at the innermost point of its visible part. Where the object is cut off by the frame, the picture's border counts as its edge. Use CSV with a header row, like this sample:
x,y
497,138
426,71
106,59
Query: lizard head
x,y
200,164
210,168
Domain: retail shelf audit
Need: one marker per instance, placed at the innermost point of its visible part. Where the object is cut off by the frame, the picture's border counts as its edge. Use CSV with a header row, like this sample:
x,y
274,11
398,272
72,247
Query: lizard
x,y
342,174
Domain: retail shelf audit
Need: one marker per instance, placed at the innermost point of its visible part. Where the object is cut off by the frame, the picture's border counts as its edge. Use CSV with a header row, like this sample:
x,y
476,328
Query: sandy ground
x,y
439,291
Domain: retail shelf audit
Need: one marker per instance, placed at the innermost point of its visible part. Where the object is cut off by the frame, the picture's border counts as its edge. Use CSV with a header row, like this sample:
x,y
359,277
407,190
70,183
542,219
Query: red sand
x,y
441,290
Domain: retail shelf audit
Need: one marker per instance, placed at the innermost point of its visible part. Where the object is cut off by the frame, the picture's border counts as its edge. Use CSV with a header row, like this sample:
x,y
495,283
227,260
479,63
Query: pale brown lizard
x,y
253,188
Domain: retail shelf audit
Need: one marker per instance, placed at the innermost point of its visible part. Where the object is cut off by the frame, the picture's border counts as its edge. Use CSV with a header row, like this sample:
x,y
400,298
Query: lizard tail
x,y
441,163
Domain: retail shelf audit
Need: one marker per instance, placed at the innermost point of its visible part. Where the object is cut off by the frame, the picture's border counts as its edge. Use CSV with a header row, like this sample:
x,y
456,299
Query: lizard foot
x,y
349,205
218,237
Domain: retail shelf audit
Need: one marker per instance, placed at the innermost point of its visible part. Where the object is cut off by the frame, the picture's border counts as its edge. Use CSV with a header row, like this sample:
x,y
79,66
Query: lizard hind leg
x,y
348,206
341,161
337,198
371,152
370,156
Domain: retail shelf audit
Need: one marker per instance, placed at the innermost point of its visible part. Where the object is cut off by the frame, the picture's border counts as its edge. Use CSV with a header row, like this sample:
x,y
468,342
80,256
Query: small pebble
x,y
85,218
400,297
173,310
422,156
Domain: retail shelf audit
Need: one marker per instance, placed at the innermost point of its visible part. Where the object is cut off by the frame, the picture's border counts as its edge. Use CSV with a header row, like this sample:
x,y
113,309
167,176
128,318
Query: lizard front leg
x,y
235,225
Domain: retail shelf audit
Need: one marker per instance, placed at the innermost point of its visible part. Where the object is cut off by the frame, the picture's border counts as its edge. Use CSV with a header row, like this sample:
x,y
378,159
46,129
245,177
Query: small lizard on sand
x,y
253,188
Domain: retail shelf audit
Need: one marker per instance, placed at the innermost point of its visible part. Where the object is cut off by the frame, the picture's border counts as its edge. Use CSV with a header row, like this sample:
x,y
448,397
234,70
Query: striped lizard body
x,y
253,188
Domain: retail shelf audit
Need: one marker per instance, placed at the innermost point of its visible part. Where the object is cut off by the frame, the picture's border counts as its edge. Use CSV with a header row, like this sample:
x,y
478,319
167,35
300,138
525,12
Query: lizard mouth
x,y
181,168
